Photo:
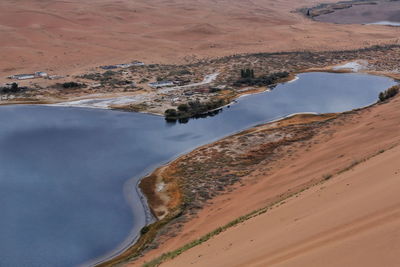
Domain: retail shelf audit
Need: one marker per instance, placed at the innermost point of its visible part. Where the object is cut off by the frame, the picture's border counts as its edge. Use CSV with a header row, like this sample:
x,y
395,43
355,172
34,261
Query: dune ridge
x,y
340,145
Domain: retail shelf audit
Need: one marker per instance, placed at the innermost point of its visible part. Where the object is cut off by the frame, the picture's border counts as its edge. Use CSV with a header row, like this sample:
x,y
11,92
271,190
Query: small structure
x,y
38,74
6,97
55,77
202,90
95,85
41,74
108,67
137,63
188,93
122,66
22,76
161,84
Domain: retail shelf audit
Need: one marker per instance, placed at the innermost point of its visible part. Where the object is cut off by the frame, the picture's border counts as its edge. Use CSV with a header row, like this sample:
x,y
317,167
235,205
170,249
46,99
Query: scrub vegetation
x,y
193,109
248,79
389,93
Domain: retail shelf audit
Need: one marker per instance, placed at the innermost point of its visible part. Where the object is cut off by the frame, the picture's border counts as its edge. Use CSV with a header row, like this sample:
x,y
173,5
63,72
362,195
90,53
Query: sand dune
x,y
69,36
340,144
351,220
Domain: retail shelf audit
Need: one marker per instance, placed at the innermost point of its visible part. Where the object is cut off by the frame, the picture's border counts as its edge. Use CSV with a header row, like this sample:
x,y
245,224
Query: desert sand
x,y
71,36
341,144
351,220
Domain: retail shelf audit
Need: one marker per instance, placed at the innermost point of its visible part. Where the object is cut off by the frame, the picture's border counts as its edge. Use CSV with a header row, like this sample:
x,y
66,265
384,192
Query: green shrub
x,y
260,81
144,230
389,93
183,108
68,85
247,73
194,109
171,113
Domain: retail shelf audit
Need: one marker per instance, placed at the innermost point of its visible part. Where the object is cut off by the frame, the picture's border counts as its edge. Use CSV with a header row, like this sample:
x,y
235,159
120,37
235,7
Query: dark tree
x,y
14,87
389,93
183,107
247,73
171,113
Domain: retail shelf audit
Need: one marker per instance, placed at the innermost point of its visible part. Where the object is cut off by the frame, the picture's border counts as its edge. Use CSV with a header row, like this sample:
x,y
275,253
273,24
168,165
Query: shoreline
x,y
217,238
132,250
232,178
376,60
340,117
145,202
127,246
151,197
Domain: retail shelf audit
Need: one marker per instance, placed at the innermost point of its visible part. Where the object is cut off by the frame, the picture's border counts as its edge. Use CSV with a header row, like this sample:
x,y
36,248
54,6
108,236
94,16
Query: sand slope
x,y
68,36
351,220
340,144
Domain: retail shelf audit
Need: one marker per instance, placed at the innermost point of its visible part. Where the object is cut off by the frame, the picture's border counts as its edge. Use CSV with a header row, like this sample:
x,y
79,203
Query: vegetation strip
x,y
187,203
184,203
170,255
128,89
389,93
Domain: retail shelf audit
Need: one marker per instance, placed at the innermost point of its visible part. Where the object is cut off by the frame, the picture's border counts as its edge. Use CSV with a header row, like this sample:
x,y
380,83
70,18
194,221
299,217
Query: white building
x,y
41,74
38,74
22,76
161,84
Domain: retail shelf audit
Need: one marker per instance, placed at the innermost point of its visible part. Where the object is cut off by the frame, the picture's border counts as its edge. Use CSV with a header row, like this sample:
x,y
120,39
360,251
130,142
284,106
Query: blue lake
x,y
68,176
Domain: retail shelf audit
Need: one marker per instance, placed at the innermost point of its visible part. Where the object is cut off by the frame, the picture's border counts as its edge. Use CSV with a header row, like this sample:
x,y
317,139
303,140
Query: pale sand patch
x,y
354,66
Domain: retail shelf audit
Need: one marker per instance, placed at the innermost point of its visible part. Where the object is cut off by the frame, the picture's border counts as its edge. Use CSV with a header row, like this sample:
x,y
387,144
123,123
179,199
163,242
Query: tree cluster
x,y
193,109
73,85
247,73
14,88
389,93
265,80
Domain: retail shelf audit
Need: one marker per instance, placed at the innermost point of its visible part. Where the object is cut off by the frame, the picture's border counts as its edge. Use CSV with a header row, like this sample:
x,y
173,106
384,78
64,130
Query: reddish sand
x,y
66,37
352,220
340,144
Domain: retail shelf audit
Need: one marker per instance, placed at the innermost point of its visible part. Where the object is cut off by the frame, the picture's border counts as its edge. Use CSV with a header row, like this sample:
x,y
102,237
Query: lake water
x,y
68,176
